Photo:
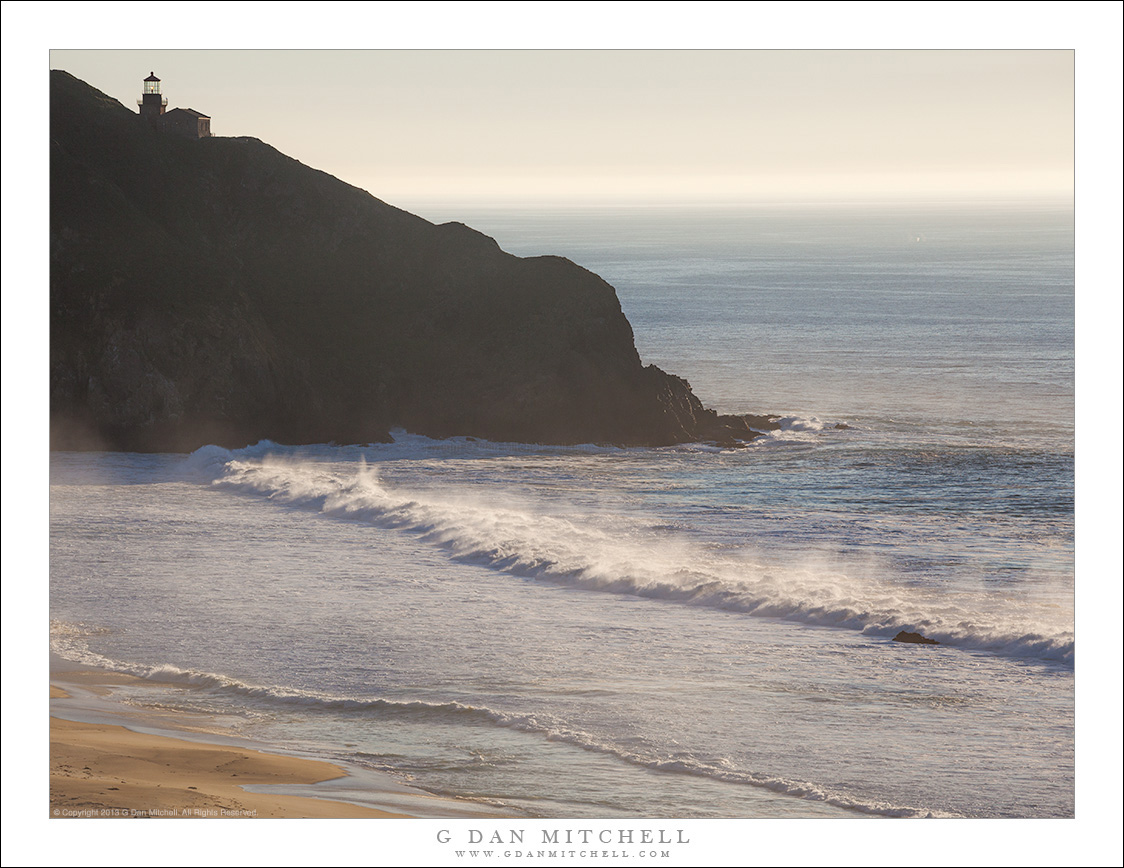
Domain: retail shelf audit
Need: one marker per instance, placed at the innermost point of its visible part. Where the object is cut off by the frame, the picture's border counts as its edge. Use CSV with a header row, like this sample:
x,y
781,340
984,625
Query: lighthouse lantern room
x,y
151,103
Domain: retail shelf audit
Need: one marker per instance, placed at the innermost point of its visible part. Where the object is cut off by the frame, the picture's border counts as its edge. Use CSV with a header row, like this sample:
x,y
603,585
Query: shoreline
x,y
111,760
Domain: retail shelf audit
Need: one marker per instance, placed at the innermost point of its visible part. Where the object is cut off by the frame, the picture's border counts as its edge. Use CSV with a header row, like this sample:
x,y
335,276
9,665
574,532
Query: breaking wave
x,y
593,552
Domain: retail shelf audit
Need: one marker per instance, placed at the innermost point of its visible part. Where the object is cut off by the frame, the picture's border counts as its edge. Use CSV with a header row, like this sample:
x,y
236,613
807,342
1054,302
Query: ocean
x,y
688,631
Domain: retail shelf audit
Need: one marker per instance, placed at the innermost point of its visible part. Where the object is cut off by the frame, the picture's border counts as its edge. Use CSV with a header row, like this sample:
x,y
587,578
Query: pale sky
x,y
633,125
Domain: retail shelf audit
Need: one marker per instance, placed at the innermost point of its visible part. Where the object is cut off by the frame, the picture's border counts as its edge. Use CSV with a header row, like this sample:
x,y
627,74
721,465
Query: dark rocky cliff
x,y
217,291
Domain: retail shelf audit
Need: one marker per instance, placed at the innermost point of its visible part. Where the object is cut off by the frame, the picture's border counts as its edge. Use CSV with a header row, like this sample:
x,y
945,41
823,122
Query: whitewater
x,y
684,631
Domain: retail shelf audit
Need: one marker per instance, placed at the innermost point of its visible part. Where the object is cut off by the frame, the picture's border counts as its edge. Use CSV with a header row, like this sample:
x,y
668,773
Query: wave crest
x,y
620,558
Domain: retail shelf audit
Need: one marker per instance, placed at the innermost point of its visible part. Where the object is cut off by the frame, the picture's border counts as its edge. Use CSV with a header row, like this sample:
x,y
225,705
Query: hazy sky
x,y
591,126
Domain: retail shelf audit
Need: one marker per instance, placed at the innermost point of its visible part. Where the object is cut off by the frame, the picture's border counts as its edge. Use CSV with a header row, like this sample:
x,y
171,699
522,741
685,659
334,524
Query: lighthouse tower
x,y
151,103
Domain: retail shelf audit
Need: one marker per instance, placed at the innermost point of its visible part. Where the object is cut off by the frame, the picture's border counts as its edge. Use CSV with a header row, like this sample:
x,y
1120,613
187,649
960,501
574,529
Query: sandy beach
x,y
101,769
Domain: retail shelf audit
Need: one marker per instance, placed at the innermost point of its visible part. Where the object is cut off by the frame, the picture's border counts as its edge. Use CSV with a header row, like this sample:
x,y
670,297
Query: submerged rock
x,y
915,638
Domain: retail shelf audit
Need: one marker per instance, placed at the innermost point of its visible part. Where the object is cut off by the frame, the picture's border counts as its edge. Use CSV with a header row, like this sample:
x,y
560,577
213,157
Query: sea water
x,y
687,631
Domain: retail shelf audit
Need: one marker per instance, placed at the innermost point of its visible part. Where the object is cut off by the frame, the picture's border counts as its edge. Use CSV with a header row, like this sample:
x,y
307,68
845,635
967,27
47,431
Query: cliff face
x,y
217,291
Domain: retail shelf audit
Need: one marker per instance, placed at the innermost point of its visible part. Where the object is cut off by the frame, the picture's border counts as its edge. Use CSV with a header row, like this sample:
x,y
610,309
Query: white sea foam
x,y
610,553
66,641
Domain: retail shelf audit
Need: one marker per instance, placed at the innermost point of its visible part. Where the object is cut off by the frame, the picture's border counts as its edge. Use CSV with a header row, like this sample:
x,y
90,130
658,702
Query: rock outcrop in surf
x,y
914,638
218,291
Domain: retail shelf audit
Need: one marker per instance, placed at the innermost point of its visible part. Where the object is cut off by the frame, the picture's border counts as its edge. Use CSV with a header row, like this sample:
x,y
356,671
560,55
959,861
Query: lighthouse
x,y
182,122
151,103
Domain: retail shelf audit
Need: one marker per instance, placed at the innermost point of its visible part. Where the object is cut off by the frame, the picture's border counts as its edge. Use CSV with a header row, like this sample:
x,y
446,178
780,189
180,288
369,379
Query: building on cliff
x,y
183,122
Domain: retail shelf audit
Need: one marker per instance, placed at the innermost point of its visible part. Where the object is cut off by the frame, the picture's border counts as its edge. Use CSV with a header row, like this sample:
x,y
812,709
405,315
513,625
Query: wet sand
x,y
104,764
101,770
